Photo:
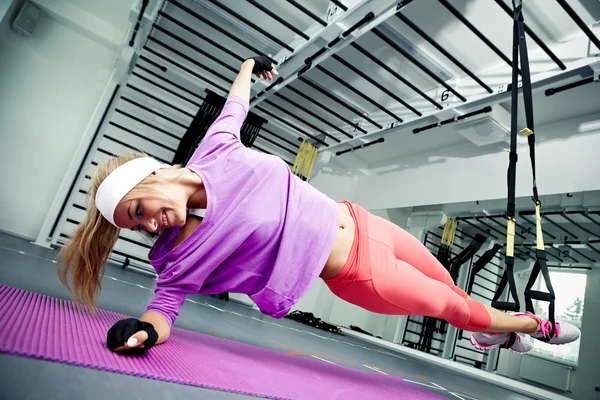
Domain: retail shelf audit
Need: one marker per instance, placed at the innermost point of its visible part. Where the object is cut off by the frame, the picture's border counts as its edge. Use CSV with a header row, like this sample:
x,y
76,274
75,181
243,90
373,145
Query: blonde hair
x,y
84,256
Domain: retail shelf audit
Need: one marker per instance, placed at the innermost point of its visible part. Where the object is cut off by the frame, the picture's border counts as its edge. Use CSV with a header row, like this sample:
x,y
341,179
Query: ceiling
x,y
361,87
581,101
199,44
114,12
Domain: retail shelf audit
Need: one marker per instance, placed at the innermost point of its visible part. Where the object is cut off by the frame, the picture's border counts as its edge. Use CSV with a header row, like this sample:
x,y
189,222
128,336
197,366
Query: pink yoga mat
x,y
38,326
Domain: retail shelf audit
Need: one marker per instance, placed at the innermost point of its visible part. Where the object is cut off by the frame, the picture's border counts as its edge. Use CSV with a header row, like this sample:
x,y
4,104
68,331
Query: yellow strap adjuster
x,y
539,236
526,132
510,237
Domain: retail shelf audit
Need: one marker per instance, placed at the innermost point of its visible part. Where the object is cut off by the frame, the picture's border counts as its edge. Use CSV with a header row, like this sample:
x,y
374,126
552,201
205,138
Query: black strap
x,y
527,95
481,263
508,276
540,264
465,255
520,48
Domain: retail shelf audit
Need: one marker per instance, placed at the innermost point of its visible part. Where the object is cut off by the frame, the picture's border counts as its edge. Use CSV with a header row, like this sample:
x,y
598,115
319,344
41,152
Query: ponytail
x,y
84,256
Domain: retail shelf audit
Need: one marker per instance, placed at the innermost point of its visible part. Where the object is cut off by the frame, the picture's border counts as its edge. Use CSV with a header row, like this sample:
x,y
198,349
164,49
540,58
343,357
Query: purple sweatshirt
x,y
266,233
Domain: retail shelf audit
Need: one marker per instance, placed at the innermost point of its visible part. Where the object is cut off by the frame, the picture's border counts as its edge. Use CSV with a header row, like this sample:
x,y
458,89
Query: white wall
x,y
51,83
566,155
7,12
5,6
339,185
335,181
586,376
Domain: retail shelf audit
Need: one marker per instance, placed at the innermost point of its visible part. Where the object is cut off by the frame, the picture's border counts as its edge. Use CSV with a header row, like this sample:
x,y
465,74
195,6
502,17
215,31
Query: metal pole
x,y
416,62
535,37
217,27
354,90
278,19
308,12
252,25
395,74
425,36
579,22
375,83
480,35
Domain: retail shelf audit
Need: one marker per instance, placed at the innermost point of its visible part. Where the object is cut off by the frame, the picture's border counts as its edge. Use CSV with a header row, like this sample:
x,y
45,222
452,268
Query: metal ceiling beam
x,y
552,222
365,97
449,56
376,60
251,25
575,17
337,99
594,234
568,86
324,107
184,68
170,82
540,82
294,145
306,11
339,4
214,26
533,36
312,114
382,9
279,19
420,65
476,31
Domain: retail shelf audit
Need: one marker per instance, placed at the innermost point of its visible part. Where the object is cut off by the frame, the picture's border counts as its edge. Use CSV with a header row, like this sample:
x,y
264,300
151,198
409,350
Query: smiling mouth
x,y
165,220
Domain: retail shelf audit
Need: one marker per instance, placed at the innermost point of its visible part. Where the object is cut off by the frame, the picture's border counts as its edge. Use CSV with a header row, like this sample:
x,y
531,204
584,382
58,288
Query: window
x,y
569,288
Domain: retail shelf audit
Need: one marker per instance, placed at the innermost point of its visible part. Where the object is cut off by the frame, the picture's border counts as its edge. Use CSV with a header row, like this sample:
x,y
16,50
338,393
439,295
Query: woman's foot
x,y
483,341
565,331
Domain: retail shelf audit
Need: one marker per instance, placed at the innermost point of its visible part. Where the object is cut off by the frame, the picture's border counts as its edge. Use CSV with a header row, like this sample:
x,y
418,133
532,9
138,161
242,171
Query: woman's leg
x,y
503,322
411,251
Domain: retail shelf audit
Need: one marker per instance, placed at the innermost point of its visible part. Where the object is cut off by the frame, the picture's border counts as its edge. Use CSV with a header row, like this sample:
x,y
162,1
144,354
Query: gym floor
x,y
29,267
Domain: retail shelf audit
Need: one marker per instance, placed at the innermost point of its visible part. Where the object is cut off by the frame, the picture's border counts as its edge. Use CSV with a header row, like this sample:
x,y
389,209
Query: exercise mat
x,y
39,326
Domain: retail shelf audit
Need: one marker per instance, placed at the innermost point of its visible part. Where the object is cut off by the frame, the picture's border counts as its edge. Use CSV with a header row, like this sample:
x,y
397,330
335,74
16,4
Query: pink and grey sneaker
x,y
485,341
565,331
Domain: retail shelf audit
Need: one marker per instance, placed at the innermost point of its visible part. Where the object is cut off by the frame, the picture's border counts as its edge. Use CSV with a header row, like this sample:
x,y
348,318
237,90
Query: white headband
x,y
119,182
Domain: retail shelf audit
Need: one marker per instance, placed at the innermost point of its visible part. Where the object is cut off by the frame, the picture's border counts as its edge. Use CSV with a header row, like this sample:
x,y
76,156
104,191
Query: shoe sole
x,y
557,344
480,347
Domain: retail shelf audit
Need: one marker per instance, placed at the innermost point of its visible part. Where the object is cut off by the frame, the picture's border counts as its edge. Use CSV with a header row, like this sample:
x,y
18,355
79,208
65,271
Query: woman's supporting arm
x,y
160,324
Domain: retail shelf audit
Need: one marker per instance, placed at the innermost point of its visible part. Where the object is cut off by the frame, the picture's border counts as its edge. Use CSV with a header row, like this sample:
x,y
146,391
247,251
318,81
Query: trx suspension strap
x,y
480,264
465,255
520,46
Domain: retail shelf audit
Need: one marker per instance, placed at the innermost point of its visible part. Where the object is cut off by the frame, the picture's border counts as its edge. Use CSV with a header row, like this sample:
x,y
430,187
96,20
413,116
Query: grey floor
x,y
30,267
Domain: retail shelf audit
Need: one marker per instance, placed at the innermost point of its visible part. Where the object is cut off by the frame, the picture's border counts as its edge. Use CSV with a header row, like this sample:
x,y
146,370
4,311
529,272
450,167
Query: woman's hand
x,y
262,67
131,334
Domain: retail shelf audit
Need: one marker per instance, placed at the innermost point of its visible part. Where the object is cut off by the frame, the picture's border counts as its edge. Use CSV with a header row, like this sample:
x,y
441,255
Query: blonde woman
x,y
265,233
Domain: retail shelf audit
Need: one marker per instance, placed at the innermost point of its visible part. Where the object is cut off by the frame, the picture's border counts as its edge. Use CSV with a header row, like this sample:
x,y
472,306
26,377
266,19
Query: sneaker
x,y
565,331
485,341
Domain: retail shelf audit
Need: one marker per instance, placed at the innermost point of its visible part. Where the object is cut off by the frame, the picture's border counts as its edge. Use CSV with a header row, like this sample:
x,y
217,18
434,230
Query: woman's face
x,y
151,212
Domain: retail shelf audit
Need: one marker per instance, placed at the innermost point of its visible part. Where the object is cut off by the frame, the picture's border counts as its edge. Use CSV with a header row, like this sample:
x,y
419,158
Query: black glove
x,y
261,64
121,331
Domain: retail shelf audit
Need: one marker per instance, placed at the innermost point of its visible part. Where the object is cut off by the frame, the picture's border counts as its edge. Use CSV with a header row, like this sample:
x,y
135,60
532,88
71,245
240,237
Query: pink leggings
x,y
390,272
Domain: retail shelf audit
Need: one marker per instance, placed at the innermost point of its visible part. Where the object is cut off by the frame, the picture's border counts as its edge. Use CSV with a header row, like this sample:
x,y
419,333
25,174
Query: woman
x,y
267,234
